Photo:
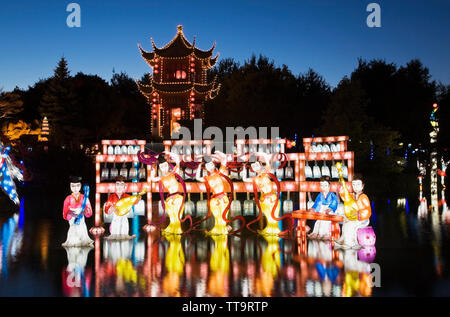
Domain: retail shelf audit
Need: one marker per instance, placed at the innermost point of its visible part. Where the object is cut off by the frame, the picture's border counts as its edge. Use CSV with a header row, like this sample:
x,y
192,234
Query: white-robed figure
x,y
77,236
119,227
326,203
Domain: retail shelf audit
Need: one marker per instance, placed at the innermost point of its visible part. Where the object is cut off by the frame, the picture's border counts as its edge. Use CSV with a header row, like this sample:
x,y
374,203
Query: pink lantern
x,y
366,236
367,254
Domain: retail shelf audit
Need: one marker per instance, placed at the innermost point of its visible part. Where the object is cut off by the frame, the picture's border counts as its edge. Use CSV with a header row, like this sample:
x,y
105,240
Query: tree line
x,y
382,107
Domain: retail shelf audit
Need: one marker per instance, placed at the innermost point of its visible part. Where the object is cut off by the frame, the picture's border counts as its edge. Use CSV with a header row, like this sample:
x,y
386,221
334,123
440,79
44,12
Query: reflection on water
x,y
247,265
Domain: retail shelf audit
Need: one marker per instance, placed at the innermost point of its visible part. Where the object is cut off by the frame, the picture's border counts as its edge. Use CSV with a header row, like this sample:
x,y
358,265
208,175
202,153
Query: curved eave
x,y
210,63
209,91
147,56
204,54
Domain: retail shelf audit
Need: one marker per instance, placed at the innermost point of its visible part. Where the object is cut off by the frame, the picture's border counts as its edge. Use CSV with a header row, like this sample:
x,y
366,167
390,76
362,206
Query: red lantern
x,y
154,116
156,66
192,70
156,71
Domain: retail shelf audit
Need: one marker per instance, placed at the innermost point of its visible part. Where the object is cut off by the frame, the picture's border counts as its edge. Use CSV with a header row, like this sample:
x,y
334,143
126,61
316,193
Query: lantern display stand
x,y
293,176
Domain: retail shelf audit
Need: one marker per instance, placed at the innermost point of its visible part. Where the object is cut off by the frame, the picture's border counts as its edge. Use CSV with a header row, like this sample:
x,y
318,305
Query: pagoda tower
x,y
178,86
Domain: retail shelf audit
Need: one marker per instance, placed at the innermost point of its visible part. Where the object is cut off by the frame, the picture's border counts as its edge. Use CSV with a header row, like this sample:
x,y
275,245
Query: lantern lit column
x,y
433,159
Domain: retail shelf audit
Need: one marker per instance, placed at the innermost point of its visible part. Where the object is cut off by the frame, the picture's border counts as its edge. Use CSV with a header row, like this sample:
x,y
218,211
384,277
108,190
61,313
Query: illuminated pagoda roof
x,y
209,91
180,47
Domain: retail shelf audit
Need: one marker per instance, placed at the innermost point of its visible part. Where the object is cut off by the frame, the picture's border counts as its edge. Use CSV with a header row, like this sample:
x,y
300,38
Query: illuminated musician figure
x,y
77,235
174,203
219,200
268,198
119,227
325,203
350,228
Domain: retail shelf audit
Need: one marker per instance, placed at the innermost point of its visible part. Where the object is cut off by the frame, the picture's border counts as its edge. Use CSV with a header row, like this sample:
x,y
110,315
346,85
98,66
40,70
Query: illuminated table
x,y
303,215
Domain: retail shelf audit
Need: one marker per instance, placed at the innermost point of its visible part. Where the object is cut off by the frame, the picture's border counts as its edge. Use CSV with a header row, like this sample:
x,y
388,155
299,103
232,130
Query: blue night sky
x,y
325,35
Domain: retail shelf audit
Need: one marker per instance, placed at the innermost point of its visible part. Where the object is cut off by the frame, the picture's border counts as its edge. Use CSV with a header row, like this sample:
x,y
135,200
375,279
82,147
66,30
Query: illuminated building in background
x,y
178,87
45,130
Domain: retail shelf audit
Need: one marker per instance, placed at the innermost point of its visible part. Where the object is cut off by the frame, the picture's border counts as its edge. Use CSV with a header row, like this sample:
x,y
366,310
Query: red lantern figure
x,y
156,71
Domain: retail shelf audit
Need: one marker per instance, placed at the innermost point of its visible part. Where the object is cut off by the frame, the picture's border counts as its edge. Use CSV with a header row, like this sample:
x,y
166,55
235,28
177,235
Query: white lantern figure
x,y
333,147
130,150
117,150
288,204
249,209
279,173
334,171
308,171
313,148
202,206
110,150
124,171
133,173
235,206
325,170
124,149
104,175
344,170
289,171
310,202
326,148
319,148
114,172
142,172
316,171
189,207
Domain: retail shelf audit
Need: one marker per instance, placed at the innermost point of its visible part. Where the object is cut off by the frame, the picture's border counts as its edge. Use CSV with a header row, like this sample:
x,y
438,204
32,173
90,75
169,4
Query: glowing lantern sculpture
x,y
9,172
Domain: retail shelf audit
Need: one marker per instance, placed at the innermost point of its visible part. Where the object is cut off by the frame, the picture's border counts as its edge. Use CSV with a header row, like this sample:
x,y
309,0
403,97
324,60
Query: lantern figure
x,y
316,171
308,171
235,206
249,206
279,173
132,174
313,148
110,150
333,148
124,171
142,173
326,148
124,150
325,170
117,150
189,206
105,173
202,206
289,171
334,171
114,172
288,204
